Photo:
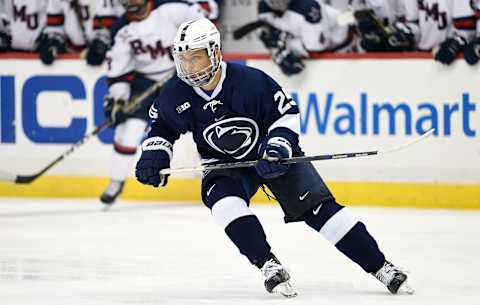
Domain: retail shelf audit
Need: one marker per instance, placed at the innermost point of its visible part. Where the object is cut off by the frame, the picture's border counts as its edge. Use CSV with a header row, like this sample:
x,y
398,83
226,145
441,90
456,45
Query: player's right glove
x,y
271,151
472,51
156,155
5,41
49,46
114,108
448,50
97,50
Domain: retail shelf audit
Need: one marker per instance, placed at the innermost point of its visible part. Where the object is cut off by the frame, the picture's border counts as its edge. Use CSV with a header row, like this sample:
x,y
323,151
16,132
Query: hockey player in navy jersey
x,y
238,113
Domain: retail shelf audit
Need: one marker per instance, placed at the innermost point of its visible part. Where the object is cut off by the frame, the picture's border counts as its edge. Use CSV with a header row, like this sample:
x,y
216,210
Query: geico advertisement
x,y
346,106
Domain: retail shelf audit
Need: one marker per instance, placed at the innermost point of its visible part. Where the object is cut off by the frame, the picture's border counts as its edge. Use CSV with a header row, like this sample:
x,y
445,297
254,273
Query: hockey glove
x,y
448,50
156,155
49,47
5,41
275,149
114,109
288,62
273,37
97,50
472,51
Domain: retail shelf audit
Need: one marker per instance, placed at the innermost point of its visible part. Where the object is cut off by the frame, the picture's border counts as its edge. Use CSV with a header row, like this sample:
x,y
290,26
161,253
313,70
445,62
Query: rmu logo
x,y
155,51
235,137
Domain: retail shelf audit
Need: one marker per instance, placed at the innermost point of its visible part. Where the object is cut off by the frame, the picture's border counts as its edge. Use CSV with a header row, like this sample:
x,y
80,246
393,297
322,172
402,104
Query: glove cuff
x,y
158,143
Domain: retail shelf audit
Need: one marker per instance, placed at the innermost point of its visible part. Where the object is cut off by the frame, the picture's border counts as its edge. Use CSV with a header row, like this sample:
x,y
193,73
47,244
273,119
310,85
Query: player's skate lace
x,y
394,278
277,279
114,189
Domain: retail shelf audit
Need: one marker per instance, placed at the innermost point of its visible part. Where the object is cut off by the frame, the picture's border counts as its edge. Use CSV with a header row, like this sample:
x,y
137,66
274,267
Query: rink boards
x,y
346,105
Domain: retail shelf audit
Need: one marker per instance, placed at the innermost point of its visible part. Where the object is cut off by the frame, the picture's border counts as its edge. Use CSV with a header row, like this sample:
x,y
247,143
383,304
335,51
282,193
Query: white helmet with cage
x,y
197,35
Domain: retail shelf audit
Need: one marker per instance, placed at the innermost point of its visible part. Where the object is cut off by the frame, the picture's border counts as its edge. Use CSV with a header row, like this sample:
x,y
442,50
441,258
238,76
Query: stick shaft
x,y
300,159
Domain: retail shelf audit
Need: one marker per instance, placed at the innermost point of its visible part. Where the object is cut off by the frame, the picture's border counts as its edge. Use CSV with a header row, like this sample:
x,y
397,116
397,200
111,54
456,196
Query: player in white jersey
x,y
69,28
23,22
441,26
472,50
140,55
300,28
109,11
381,25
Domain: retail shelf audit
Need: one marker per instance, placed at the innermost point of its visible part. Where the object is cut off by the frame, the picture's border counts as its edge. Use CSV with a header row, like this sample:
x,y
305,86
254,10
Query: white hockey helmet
x,y
197,35
278,5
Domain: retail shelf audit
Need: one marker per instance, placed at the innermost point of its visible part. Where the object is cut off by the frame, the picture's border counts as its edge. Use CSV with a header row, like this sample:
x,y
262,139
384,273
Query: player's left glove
x,y
472,51
156,155
288,62
271,151
97,50
448,50
49,46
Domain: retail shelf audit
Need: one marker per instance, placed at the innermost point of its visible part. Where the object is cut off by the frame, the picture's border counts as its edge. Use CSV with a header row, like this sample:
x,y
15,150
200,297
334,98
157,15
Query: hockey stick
x,y
302,159
247,28
133,105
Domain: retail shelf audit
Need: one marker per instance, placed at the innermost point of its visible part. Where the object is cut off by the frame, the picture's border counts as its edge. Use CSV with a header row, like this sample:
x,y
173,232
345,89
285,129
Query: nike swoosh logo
x,y
219,119
315,212
301,197
210,189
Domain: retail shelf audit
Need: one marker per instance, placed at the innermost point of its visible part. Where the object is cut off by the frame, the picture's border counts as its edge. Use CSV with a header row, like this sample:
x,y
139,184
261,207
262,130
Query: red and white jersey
x,y
476,5
24,21
144,46
312,23
432,21
72,19
387,11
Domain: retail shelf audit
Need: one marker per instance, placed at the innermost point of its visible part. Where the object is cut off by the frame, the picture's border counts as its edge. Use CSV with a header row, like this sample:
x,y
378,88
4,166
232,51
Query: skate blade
x,y
106,207
286,290
405,288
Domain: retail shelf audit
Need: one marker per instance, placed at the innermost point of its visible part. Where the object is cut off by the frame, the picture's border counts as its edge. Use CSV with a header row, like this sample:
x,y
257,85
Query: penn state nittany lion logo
x,y
235,137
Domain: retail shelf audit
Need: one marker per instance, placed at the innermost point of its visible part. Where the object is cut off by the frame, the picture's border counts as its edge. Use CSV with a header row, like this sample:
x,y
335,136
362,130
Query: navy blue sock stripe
x,y
247,234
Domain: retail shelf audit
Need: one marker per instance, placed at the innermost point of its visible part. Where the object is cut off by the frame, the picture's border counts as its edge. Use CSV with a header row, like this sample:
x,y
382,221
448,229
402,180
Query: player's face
x,y
194,61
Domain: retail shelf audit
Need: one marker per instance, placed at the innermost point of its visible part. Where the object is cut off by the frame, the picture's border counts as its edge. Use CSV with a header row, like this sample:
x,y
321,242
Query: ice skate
x,y
394,278
113,190
277,279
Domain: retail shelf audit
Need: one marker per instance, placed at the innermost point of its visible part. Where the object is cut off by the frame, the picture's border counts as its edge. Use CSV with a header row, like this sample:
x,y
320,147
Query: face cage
x,y
202,77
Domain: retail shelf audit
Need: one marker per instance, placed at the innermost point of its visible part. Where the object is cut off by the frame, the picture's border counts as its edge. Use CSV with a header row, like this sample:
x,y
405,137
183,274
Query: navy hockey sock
x,y
348,235
361,247
247,234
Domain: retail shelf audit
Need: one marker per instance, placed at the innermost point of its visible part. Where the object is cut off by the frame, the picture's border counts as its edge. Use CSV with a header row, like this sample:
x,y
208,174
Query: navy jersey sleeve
x,y
279,112
165,122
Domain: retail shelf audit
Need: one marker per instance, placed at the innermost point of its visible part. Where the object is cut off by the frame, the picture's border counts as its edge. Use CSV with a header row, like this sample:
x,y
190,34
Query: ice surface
x,y
67,252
